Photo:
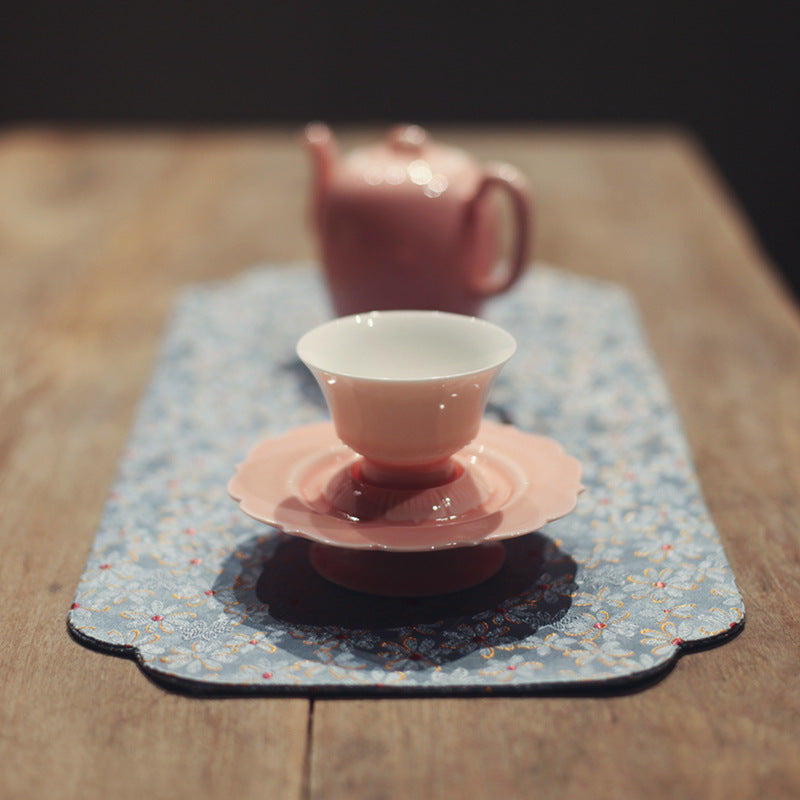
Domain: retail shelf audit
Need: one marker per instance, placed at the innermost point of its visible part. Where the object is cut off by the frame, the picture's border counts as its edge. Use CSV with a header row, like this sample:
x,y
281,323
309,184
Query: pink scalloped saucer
x,y
431,540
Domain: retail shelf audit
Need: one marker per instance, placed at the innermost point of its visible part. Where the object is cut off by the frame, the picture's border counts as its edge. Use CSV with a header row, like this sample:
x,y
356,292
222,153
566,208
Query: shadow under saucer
x,y
284,594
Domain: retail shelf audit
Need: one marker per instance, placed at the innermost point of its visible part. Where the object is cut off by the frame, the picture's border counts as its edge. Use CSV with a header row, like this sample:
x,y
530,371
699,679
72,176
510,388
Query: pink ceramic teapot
x,y
410,224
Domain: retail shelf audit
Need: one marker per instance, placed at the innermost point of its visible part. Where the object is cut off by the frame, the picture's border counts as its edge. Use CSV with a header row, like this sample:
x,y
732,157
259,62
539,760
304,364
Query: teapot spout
x,y
320,141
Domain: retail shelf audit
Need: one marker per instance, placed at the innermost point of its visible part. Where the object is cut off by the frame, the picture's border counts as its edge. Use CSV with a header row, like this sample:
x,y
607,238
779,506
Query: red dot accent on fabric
x,y
659,584
677,641
156,618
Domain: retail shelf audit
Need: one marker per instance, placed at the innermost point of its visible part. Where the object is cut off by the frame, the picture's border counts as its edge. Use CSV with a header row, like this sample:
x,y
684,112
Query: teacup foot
x,y
408,574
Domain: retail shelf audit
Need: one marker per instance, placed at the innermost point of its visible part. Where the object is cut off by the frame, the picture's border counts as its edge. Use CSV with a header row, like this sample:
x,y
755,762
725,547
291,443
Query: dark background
x,y
726,71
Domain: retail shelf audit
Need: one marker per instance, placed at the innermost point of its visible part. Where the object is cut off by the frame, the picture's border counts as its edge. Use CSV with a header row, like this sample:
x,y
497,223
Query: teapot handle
x,y
508,178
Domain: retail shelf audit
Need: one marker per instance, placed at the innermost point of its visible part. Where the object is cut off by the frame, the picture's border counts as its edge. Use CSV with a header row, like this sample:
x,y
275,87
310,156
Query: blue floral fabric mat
x,y
211,601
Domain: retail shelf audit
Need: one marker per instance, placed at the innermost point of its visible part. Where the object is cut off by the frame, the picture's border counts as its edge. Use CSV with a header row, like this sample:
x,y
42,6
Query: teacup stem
x,y
408,477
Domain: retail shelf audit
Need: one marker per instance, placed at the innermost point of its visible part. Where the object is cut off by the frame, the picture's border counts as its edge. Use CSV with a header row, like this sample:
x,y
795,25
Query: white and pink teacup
x,y
406,389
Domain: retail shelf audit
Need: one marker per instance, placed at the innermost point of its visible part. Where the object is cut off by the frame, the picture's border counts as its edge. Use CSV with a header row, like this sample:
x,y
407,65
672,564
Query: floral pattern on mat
x,y
209,600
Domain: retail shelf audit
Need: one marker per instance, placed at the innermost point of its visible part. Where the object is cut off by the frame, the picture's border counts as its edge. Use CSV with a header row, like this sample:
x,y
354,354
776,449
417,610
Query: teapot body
x,y
406,226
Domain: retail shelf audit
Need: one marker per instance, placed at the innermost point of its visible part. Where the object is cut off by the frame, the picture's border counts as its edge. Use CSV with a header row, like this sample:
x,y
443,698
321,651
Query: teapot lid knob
x,y
407,137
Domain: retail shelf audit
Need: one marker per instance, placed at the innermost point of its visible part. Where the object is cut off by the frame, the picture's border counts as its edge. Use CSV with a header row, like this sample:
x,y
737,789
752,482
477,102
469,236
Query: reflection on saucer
x,y
510,483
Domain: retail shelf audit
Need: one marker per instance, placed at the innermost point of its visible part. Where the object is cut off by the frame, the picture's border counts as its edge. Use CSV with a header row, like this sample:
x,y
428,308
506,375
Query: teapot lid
x,y
410,156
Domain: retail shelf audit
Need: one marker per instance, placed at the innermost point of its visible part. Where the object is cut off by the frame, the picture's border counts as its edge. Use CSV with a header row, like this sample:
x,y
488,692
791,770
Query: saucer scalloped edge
x,y
529,481
208,600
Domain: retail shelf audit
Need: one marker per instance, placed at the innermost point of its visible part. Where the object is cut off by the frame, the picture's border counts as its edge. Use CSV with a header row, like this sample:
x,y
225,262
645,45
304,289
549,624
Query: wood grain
x,y
83,310
97,232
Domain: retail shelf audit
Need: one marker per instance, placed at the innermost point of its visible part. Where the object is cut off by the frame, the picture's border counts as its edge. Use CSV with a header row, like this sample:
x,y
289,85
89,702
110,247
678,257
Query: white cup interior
x,y
405,346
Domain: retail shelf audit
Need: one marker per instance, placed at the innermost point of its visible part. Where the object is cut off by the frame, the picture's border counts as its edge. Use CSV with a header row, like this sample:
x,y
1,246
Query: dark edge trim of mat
x,y
606,687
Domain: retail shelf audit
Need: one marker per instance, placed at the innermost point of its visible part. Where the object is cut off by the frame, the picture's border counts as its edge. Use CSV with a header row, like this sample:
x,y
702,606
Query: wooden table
x,y
99,230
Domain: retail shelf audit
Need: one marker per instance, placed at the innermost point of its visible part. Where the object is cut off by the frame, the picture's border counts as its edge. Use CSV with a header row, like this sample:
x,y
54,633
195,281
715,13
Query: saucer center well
x,y
351,496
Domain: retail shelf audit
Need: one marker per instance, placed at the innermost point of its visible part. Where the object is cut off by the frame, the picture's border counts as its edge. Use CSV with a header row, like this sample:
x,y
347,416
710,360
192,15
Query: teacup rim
x,y
315,366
